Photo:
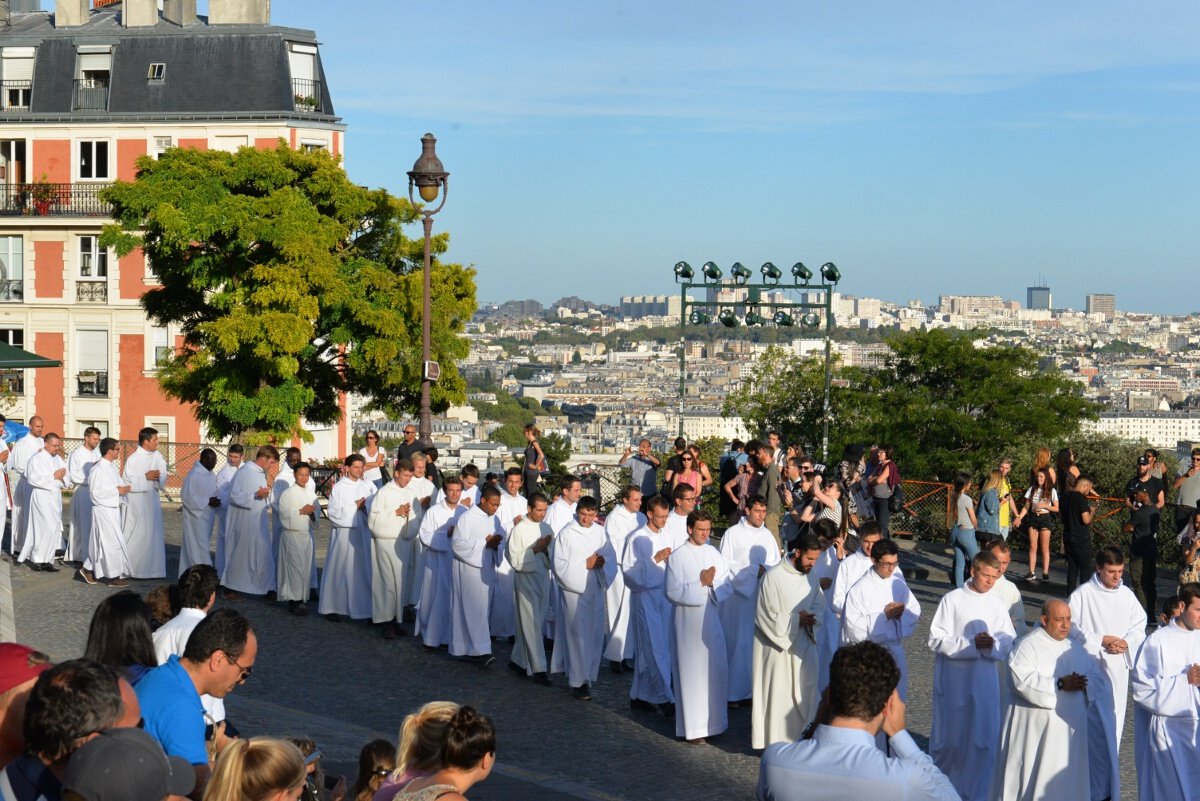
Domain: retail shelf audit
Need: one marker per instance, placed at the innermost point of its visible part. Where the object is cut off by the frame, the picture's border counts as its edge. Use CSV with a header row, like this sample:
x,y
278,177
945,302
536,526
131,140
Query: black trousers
x,y
1143,573
1080,562
883,515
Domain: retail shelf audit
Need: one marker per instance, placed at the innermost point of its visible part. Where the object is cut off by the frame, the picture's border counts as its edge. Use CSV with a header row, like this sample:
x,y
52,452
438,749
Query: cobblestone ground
x,y
343,685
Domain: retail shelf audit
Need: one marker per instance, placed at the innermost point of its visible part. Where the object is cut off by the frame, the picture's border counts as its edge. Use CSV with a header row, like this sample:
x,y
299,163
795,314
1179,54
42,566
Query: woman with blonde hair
x,y
468,754
1041,461
420,750
987,514
258,769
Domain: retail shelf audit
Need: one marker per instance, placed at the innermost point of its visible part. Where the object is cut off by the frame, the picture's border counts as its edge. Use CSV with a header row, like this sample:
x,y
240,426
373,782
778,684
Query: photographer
x,y
1144,499
1187,491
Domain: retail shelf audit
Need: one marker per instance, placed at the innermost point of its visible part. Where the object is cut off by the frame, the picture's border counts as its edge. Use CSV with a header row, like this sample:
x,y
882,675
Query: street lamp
x,y
430,179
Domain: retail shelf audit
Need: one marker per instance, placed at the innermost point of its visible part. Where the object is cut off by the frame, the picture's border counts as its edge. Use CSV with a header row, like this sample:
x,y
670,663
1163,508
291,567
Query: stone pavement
x,y
343,685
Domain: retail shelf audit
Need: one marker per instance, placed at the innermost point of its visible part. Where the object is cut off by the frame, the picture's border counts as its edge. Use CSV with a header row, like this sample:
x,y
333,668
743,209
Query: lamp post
x,y
430,178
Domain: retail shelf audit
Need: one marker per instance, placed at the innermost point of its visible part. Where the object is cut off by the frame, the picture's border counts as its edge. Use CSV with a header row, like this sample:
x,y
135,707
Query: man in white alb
x,y
625,518
425,490
394,520
146,474
200,504
79,463
970,632
249,563
22,449
749,550
107,558
437,527
513,508
644,565
697,583
825,571
298,511
473,546
233,462
528,552
685,497
584,566
854,566
283,479
46,477
346,580
1007,590
787,622
881,608
562,511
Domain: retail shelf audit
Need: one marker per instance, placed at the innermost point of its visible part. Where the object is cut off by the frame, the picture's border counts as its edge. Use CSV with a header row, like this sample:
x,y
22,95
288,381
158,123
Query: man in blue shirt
x,y
842,762
219,656
643,470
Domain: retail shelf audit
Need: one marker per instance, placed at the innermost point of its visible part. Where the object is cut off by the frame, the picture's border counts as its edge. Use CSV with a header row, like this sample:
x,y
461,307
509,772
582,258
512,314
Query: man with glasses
x,y
219,655
684,496
1187,491
410,447
882,609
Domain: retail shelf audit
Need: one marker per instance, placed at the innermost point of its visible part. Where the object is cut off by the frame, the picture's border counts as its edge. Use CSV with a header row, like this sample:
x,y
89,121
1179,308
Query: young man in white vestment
x,y
425,491
283,479
346,580
249,560
1166,689
562,511
625,518
970,632
473,545
840,762
1007,590
698,582
233,462
787,625
200,504
79,463
22,449
46,477
1112,623
107,560
854,566
437,526
528,553
298,512
146,474
394,520
1044,736
684,497
749,550
513,507
881,608
644,564
584,565
833,544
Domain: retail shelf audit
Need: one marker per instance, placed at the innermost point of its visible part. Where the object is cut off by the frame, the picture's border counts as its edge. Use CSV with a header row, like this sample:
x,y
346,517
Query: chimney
x,y
70,13
139,13
180,12
239,12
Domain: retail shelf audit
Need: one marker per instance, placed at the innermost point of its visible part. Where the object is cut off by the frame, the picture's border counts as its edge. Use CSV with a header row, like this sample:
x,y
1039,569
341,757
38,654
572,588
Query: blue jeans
x,y
965,548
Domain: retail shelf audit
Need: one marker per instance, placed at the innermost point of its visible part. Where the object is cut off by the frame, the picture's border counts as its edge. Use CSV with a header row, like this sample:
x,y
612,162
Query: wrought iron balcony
x,y
92,382
90,95
12,291
53,200
12,382
14,95
91,291
306,95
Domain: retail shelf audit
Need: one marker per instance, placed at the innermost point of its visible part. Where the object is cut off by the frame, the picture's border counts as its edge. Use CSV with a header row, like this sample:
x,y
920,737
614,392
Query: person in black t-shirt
x,y
1076,512
674,465
1144,499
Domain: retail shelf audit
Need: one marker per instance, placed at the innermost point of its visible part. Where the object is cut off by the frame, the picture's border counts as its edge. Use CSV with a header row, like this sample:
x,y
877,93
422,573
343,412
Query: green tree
x,y
557,451
290,285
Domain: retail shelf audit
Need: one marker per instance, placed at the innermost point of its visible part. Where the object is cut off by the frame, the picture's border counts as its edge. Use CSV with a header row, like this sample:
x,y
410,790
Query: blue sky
x,y
926,148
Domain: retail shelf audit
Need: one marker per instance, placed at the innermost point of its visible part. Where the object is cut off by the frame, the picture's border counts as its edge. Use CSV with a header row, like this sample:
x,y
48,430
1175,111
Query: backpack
x,y
896,501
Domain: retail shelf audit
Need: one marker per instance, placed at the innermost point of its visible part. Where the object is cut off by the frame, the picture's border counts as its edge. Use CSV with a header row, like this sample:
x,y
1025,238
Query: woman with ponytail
x,y
420,751
468,753
258,769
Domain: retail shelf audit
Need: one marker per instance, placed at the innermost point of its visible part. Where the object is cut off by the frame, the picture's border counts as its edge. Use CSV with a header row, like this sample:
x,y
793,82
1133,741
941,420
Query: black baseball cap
x,y
126,765
1143,460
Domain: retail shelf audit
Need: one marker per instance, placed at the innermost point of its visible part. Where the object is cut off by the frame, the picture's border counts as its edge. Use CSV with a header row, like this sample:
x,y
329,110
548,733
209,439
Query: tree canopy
x,y
290,284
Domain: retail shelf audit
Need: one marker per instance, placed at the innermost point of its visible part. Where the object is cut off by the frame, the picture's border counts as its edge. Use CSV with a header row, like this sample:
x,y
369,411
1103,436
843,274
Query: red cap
x,y
14,665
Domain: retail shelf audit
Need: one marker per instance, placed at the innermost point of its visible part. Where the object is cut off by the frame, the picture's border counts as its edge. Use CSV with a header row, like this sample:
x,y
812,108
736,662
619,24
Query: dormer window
x,y
16,77
92,72
157,72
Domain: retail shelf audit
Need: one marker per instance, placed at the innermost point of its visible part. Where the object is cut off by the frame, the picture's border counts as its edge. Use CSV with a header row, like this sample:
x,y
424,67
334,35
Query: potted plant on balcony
x,y
44,195
305,103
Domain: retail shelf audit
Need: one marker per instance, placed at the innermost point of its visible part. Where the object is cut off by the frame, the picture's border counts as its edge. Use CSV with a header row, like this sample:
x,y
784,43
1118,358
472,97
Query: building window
x,y
93,259
161,145
91,363
161,343
16,75
92,73
311,146
157,72
93,160
13,336
102,425
12,271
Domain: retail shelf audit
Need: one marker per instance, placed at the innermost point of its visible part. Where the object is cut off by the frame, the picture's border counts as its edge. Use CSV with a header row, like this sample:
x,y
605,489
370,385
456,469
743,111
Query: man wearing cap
x,y
126,765
1144,498
20,667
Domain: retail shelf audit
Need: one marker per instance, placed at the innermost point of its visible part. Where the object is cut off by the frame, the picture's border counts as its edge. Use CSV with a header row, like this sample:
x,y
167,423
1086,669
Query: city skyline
x,y
919,148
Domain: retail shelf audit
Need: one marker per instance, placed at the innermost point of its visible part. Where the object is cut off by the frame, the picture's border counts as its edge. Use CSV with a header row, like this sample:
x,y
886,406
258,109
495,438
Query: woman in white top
x,y
1041,501
375,457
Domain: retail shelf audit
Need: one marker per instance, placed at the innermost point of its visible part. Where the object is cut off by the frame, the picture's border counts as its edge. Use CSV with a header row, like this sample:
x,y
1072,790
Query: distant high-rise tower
x,y
1038,297
1102,304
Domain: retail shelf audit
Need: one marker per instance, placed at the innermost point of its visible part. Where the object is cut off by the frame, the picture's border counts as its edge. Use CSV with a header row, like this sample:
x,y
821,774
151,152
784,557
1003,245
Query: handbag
x,y
896,499
384,474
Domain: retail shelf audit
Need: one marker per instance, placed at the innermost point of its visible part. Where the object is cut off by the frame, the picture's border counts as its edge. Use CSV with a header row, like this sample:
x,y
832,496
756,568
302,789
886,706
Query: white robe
x,y
580,625
676,528
1043,748
142,524
699,664
502,619
471,580
433,611
199,488
863,618
650,615
107,556
249,562
1167,740
619,525
966,688
44,510
531,584
294,560
559,515
346,580
79,464
283,479
1011,594
831,628
22,450
392,538
224,481
745,549
850,570
424,489
785,655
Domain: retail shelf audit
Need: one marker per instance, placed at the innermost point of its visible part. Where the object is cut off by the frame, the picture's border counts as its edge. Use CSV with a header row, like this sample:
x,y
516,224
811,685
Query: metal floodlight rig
x,y
801,273
771,274
683,272
698,317
740,274
712,273
754,318
728,318
783,319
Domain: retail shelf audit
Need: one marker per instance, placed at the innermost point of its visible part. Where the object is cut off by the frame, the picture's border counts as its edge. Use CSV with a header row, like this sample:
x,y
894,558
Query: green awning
x,y
13,358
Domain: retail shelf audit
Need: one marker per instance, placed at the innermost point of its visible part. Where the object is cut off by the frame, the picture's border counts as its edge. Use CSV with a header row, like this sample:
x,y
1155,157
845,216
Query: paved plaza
x,y
343,685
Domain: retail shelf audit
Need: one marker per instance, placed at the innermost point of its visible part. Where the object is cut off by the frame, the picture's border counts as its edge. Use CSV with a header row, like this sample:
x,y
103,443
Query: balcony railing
x,y
53,200
12,291
92,383
12,382
14,95
91,291
306,95
90,95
